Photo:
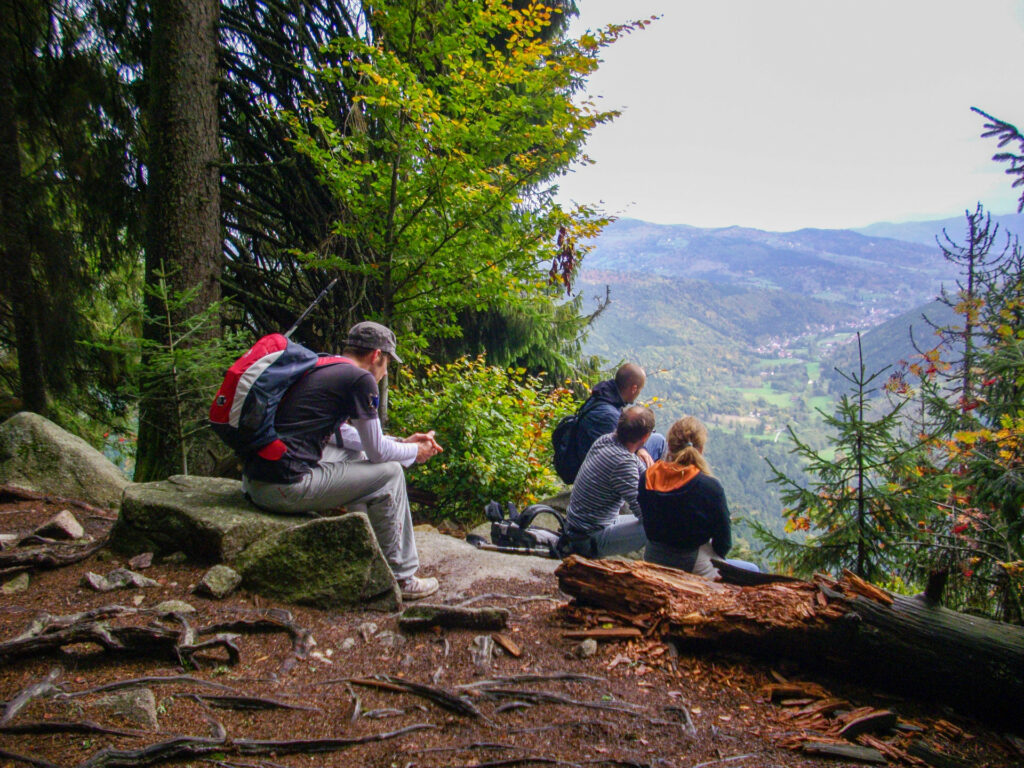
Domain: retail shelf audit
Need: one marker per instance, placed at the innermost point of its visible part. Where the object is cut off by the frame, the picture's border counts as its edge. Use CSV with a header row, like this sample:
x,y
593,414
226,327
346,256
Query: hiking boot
x,y
416,589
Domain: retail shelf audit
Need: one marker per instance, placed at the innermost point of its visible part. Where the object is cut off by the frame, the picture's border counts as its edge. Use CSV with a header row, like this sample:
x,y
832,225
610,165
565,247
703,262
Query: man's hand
x,y
426,445
645,457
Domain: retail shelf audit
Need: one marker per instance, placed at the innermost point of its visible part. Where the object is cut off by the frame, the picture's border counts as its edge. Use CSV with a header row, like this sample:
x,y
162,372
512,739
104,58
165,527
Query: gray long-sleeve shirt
x,y
607,478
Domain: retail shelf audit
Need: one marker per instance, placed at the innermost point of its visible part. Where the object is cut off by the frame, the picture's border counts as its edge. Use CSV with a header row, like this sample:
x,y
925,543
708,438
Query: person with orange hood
x,y
685,515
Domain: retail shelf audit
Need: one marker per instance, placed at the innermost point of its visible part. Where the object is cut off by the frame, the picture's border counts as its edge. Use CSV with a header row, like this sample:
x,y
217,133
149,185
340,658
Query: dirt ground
x,y
320,705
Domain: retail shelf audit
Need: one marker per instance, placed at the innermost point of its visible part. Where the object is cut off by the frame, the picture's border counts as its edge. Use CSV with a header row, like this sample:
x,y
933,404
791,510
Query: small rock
x,y
218,582
119,578
141,562
106,556
449,528
137,600
6,539
347,644
96,582
482,651
173,606
122,578
18,584
390,639
63,526
320,657
176,558
587,648
407,660
367,629
137,705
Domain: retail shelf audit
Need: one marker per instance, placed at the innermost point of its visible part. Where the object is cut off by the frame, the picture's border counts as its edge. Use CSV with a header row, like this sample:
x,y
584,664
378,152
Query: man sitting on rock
x,y
600,413
607,484
327,466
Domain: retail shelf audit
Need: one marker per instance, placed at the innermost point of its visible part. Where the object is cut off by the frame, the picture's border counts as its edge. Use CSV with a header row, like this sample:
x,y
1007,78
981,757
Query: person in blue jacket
x,y
684,512
600,414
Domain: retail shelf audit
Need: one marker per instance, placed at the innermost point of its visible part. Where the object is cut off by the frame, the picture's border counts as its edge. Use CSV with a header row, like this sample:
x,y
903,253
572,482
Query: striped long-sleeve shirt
x,y
608,478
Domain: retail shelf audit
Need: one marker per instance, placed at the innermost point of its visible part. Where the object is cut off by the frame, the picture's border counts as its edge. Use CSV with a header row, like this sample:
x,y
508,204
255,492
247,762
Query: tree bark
x,y
18,284
848,627
183,237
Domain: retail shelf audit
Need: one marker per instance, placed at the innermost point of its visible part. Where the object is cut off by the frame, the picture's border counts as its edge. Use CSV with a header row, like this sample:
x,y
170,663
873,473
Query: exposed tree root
x,y
457,704
44,688
271,620
149,680
247,702
48,556
6,755
48,634
199,747
13,493
516,679
60,726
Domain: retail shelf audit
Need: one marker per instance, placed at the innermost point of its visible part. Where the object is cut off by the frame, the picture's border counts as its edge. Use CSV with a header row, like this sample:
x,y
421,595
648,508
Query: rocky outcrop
x,y
330,562
37,455
207,518
333,562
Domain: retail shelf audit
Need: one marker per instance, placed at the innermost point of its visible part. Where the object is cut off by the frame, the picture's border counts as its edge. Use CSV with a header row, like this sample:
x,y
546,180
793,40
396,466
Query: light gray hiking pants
x,y
347,478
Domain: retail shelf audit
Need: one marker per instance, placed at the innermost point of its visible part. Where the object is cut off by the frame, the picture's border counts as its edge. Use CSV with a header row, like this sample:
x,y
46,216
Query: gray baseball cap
x,y
368,335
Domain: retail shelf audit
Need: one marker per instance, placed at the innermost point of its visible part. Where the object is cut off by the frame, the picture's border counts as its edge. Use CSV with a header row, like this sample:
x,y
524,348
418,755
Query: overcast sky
x,y
781,114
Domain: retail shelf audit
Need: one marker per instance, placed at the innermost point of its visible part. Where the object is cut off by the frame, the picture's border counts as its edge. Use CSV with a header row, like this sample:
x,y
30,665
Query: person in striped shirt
x,y
607,485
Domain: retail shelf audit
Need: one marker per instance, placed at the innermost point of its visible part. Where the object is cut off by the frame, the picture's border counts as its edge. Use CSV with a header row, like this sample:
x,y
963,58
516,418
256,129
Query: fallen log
x,y
417,618
847,626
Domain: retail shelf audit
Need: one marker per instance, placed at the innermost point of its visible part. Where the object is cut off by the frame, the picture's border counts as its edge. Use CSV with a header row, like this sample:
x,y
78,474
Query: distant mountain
x,y
925,232
831,265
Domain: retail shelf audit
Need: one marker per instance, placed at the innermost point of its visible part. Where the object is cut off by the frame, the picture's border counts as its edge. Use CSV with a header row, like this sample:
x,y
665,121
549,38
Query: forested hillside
x,y
756,334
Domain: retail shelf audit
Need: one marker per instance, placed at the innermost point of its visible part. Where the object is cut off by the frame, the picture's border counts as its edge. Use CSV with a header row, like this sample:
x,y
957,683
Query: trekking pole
x,y
310,308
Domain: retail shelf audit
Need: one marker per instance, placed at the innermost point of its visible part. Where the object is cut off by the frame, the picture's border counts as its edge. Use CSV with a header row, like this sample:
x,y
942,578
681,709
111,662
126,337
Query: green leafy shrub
x,y
495,426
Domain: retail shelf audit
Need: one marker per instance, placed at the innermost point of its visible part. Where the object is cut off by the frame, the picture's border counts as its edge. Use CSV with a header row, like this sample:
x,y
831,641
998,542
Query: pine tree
x,y
861,503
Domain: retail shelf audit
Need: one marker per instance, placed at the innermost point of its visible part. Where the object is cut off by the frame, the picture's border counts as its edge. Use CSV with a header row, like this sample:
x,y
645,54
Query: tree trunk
x,y
18,285
183,238
848,627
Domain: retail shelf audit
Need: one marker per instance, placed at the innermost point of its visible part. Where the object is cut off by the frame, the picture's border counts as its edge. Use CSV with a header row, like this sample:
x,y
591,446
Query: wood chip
x,y
876,721
853,583
510,646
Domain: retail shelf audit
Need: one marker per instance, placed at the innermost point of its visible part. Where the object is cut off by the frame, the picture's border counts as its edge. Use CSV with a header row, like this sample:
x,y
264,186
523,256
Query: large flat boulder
x,y
333,562
37,455
207,518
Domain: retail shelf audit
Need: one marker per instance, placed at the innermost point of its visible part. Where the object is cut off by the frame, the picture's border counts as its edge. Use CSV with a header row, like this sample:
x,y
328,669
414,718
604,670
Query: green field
x,y
778,399
824,403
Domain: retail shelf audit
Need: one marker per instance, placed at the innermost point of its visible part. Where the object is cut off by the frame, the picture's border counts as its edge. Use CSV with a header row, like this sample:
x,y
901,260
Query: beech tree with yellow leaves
x,y
444,171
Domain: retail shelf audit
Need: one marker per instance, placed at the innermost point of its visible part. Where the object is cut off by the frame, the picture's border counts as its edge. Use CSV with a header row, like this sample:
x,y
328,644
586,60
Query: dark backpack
x,y
564,441
517,530
244,408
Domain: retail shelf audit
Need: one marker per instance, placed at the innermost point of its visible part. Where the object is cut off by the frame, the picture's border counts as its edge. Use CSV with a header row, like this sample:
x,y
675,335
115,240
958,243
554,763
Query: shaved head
x,y
629,380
